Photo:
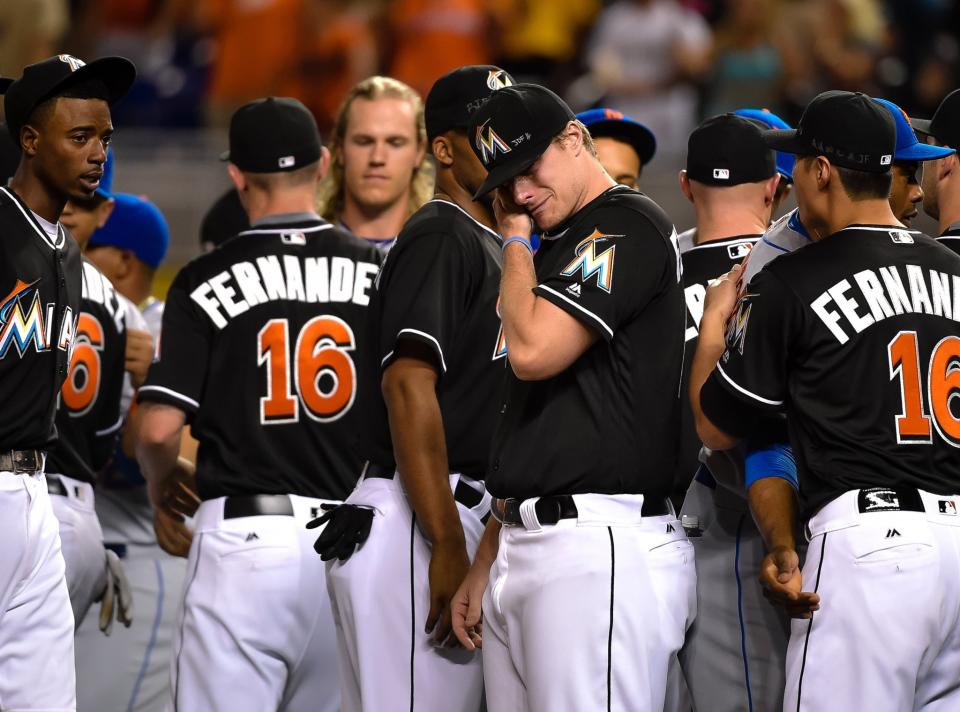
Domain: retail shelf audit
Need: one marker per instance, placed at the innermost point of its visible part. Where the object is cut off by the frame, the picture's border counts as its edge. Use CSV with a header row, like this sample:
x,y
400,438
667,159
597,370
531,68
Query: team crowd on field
x,y
447,416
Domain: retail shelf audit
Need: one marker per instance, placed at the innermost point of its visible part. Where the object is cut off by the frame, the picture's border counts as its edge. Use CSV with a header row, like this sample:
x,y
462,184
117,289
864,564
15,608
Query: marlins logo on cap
x,y
488,142
74,63
498,79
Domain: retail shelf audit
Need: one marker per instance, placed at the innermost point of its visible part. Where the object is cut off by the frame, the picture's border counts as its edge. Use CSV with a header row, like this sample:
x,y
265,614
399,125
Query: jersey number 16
x,y
943,387
324,378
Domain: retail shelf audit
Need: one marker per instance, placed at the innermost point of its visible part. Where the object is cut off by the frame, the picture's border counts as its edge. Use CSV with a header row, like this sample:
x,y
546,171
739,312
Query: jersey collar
x,y
28,216
562,229
479,224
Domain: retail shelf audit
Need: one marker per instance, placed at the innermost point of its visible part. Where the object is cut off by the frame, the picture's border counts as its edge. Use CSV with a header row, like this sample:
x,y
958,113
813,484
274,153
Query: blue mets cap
x,y
785,161
136,225
106,180
908,147
614,124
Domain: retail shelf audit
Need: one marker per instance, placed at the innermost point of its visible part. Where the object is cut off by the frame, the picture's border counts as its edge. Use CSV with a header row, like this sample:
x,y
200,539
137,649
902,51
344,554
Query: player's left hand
x,y
116,595
348,526
512,220
173,535
722,296
782,582
138,355
449,565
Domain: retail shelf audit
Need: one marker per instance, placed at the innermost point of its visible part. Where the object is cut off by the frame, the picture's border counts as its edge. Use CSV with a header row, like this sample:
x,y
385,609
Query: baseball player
x,y
732,180
437,358
58,112
224,219
877,489
258,351
127,250
380,173
941,178
624,146
584,544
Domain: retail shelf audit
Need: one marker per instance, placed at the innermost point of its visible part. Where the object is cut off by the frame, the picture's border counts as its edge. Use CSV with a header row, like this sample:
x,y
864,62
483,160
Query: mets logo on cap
x,y
498,79
74,63
489,142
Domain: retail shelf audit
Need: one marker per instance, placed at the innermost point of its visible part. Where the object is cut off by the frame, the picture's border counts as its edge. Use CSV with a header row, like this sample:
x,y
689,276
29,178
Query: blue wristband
x,y
516,238
774,460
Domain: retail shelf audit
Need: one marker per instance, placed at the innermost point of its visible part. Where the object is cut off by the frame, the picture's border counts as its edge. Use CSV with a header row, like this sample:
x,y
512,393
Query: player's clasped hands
x,y
783,584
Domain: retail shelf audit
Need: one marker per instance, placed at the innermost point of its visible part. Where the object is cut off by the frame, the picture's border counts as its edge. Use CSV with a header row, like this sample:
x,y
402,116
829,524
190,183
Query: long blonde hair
x,y
330,193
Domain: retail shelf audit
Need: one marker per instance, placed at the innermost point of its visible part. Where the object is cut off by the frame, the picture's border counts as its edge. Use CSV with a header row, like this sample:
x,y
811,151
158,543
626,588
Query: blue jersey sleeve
x,y
770,460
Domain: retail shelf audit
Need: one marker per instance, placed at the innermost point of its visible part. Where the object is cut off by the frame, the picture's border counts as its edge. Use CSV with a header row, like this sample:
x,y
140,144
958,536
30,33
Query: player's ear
x,y
685,185
237,177
770,189
823,172
324,163
29,140
947,165
125,263
442,150
104,210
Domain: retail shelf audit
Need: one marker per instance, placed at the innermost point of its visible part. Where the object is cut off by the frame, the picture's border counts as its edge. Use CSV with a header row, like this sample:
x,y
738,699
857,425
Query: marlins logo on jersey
x,y
23,323
588,263
737,326
489,142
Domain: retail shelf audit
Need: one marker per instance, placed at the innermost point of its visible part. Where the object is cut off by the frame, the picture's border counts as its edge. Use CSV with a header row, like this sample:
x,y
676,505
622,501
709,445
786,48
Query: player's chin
x,y
907,219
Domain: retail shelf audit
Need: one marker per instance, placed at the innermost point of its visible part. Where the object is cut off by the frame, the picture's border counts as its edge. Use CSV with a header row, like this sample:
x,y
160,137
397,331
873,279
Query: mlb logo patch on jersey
x,y
738,252
948,506
294,238
721,174
901,237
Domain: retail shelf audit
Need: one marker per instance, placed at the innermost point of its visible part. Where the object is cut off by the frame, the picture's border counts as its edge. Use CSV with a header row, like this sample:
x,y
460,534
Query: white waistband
x,y
210,513
844,511
599,510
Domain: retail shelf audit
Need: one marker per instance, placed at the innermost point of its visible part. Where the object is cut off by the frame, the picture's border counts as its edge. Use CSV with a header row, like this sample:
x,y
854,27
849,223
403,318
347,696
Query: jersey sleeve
x,y
424,292
178,375
612,274
751,376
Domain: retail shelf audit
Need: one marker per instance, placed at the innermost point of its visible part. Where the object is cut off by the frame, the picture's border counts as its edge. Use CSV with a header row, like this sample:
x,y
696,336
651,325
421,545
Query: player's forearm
x,y
773,503
710,347
158,445
419,445
518,303
489,545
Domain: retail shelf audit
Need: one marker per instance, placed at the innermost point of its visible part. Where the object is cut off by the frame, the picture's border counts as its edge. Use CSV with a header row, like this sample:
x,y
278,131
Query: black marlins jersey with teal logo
x,y
857,338
260,346
89,416
609,423
439,286
40,285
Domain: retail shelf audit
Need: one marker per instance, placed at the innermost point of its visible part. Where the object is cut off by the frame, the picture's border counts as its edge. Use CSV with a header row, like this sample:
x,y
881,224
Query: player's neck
x,y
36,195
861,212
375,223
949,213
281,203
134,287
720,224
450,190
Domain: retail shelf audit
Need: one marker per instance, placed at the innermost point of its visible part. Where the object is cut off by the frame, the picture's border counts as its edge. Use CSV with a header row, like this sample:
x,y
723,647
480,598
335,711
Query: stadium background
x,y
667,63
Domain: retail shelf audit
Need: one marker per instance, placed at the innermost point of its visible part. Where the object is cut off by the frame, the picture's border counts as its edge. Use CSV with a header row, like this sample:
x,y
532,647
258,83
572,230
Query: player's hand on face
x,y
467,614
449,565
347,528
721,296
173,535
512,220
138,355
782,583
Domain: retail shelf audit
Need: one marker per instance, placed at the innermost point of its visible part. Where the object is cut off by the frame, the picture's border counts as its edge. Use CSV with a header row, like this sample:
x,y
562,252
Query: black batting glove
x,y
348,526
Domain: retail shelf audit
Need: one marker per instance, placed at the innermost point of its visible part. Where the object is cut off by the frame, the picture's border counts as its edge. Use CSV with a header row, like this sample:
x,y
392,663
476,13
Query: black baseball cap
x,y
54,75
513,128
273,135
728,150
456,95
945,124
850,129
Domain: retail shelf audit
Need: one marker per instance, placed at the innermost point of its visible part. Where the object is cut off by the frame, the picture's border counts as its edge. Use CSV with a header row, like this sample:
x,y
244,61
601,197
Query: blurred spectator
x,y
340,51
747,68
30,30
429,38
540,40
645,56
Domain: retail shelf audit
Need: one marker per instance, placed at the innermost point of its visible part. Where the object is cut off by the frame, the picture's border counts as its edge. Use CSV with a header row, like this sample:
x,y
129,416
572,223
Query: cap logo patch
x,y
885,160
498,79
613,114
74,63
489,142
286,161
721,174
588,263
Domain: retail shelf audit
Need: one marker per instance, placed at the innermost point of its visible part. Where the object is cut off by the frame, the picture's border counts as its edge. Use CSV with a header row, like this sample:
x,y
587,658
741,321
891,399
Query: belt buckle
x,y
498,507
20,464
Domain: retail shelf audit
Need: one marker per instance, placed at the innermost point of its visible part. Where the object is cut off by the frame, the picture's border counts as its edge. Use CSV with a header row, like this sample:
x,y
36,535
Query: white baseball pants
x,y
887,635
381,597
36,622
589,613
254,632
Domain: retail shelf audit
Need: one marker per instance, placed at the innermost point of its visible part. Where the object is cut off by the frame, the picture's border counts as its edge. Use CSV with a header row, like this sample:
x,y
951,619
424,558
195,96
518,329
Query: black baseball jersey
x,y
701,263
89,416
439,286
610,422
856,337
40,287
259,346
951,238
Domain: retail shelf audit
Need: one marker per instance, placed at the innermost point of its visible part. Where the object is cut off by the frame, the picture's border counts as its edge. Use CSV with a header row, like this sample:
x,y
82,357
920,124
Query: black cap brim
x,y
509,170
786,140
922,125
117,74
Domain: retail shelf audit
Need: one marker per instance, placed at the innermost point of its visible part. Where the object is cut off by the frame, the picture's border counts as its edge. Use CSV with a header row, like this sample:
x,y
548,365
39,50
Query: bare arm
x,y
467,612
158,446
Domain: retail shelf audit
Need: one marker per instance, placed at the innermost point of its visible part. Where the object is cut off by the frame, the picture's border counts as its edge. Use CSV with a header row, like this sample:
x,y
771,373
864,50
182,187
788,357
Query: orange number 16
x,y
320,353
943,386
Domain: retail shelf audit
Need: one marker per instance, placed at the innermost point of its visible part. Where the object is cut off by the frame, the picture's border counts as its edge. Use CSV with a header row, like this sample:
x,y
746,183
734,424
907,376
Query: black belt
x,y
254,505
889,499
55,486
551,510
462,493
21,461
